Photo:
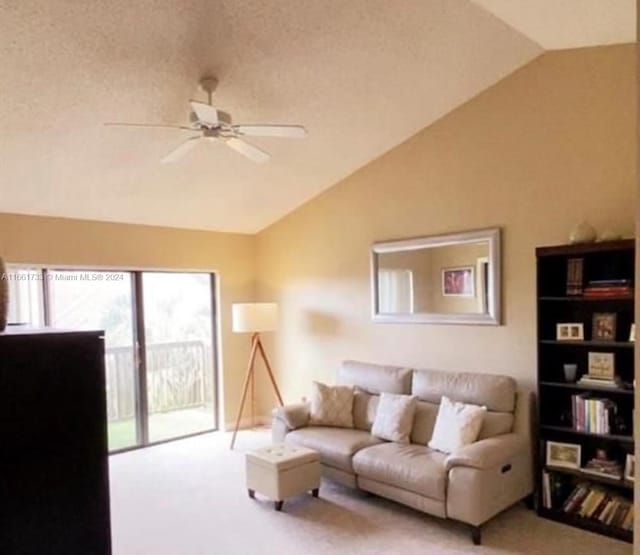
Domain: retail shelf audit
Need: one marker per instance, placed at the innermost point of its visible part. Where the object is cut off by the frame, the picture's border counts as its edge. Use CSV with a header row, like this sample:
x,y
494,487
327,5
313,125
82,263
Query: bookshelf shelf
x,y
607,268
578,298
571,431
614,482
583,387
599,344
587,524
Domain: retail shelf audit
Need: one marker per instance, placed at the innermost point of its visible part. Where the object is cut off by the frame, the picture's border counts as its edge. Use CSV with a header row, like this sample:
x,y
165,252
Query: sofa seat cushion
x,y
411,467
335,445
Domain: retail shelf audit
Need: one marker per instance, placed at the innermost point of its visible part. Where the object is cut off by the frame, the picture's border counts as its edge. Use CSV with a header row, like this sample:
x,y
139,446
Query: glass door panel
x,y
26,306
178,316
103,300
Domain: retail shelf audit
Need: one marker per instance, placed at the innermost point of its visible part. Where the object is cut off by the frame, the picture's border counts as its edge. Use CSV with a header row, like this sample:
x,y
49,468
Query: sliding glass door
x,y
178,316
159,342
103,300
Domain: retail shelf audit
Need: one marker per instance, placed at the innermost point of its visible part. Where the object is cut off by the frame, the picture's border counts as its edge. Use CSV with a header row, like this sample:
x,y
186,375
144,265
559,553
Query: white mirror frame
x,y
493,315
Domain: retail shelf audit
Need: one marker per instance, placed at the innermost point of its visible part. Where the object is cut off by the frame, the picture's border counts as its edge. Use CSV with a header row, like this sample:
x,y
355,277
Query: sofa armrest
x,y
293,416
490,452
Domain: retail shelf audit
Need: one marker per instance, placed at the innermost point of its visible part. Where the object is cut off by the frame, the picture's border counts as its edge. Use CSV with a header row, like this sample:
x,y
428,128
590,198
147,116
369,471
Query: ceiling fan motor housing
x,y
223,117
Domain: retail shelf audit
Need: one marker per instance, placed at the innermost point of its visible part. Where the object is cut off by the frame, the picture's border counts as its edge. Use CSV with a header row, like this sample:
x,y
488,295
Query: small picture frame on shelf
x,y
563,455
571,331
604,326
601,365
632,333
630,468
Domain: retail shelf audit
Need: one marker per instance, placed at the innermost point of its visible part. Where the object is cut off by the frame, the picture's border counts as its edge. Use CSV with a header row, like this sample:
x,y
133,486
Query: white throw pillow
x,y
394,417
457,425
331,405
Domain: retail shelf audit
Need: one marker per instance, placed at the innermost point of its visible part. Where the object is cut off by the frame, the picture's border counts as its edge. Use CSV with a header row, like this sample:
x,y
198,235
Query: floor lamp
x,y
254,318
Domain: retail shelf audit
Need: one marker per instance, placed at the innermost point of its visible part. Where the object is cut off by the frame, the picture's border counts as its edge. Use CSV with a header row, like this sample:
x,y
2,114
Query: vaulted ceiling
x,y
361,75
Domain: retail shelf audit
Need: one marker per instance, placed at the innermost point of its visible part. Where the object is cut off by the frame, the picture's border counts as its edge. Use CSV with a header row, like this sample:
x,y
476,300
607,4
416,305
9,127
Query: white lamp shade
x,y
254,317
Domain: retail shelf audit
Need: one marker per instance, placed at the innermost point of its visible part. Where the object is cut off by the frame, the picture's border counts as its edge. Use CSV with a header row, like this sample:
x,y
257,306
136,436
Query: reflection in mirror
x,y
446,279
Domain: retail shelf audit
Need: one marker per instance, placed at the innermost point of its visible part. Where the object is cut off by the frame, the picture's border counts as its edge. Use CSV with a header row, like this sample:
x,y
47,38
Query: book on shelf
x,y
599,504
605,468
610,283
609,288
546,490
555,489
574,276
592,415
611,292
587,379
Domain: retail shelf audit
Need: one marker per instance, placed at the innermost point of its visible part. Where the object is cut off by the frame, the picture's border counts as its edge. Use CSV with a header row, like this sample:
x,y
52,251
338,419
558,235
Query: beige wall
x,y
26,239
549,146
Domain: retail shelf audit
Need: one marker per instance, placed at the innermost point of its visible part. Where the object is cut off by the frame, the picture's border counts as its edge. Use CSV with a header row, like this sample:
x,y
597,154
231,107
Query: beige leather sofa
x,y
470,485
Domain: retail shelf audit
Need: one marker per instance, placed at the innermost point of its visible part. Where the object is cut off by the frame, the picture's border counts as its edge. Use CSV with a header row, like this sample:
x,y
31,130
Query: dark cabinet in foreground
x,y
54,486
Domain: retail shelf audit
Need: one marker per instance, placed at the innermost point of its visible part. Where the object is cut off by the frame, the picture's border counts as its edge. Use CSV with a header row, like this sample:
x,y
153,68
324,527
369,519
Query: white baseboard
x,y
259,421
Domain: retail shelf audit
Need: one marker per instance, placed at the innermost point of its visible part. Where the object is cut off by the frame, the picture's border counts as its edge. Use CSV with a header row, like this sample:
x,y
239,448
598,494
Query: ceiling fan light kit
x,y
213,124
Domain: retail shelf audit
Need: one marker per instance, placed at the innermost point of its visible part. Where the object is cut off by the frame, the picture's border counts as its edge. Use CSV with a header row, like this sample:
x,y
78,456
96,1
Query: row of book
x,y
600,504
609,288
592,415
555,489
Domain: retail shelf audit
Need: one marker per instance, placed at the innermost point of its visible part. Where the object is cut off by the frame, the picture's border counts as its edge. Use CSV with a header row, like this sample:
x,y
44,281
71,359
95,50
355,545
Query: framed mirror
x,y
444,279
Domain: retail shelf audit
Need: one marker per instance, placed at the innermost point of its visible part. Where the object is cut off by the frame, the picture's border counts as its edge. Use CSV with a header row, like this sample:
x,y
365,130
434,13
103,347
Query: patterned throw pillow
x,y
331,405
457,425
394,417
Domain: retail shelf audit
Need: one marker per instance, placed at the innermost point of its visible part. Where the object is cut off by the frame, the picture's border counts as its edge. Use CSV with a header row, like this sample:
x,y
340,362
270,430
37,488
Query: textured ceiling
x,y
558,24
361,75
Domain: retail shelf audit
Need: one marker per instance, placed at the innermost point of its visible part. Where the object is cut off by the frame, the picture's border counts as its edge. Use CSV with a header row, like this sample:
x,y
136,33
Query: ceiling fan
x,y
212,124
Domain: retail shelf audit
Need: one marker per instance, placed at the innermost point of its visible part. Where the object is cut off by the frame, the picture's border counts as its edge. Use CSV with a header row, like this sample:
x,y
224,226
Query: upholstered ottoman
x,y
281,471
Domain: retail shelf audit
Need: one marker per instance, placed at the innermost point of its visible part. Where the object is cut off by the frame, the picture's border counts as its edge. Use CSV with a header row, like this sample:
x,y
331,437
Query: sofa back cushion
x,y
365,407
375,378
423,422
494,423
497,393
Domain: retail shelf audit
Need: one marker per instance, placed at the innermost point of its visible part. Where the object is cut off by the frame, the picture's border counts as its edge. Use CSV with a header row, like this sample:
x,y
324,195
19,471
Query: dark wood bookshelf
x,y
54,463
601,262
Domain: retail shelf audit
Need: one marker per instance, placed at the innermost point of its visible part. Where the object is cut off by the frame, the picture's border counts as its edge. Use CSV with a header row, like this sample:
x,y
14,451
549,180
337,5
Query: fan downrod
x,y
208,84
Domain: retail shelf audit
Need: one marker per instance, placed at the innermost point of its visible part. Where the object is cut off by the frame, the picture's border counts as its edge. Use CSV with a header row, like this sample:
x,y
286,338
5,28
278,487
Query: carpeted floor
x,y
188,498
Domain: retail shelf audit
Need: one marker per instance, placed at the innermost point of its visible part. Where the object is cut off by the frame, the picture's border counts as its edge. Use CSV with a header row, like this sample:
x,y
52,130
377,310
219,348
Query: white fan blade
x,y
158,125
181,150
285,131
248,150
207,115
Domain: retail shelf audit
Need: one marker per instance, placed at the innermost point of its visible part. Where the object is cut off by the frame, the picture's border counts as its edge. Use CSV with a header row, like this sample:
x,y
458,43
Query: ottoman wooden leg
x,y
315,492
252,493
278,505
